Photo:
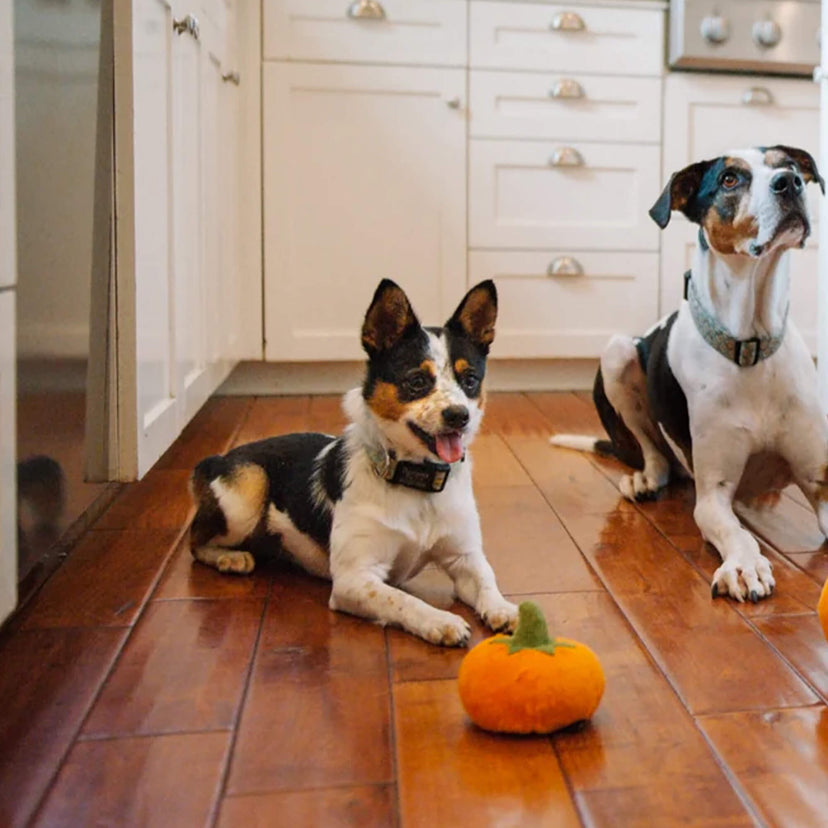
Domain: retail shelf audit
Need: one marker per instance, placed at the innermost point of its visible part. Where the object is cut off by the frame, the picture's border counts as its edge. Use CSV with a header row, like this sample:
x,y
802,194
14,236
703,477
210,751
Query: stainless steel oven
x,y
767,36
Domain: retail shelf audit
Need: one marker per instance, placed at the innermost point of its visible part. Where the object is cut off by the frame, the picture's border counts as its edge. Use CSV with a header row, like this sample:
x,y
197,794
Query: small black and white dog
x,y
724,388
371,508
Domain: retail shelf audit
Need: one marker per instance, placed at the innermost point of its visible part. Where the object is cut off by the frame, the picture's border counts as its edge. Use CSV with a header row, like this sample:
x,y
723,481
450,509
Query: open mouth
x,y
447,445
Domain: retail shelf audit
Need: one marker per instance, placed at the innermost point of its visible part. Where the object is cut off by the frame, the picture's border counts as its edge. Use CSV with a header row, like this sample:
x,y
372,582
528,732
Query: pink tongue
x,y
449,447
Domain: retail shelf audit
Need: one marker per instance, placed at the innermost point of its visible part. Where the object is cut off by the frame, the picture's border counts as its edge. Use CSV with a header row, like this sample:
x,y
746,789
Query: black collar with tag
x,y
425,476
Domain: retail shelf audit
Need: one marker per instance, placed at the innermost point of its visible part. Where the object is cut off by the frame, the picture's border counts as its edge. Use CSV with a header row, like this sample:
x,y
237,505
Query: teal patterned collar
x,y
744,352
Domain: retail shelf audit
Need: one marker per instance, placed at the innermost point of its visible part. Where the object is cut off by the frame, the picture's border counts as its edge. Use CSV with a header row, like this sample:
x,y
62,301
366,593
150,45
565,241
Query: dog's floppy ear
x,y
679,193
388,318
805,162
476,315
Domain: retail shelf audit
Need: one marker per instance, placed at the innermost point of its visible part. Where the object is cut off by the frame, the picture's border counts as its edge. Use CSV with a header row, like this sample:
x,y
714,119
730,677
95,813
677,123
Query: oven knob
x,y
715,29
767,33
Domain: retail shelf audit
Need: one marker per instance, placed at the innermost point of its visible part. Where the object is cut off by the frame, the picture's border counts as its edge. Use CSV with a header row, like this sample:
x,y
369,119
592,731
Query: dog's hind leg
x,y
628,414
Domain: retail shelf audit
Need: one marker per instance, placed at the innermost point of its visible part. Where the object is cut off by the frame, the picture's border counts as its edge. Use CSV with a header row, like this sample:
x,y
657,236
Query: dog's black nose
x,y
456,416
787,182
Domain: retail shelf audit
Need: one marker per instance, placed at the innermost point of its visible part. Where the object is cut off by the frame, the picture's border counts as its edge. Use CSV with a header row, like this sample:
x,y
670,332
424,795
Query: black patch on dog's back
x,y
332,468
622,443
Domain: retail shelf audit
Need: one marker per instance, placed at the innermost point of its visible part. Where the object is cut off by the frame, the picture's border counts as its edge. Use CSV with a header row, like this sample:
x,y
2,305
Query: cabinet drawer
x,y
593,39
567,315
421,32
518,197
564,106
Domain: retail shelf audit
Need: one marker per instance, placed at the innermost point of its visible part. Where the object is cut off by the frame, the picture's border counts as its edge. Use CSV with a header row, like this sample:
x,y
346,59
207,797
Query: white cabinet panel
x,y
364,178
8,472
523,36
8,234
418,32
566,107
542,315
519,198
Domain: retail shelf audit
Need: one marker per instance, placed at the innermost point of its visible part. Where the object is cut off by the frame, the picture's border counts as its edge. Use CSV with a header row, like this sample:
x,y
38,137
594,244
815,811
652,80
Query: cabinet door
x,y
364,178
705,117
168,202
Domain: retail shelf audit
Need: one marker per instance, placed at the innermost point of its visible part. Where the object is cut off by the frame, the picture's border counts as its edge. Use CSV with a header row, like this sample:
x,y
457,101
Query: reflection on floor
x,y
52,492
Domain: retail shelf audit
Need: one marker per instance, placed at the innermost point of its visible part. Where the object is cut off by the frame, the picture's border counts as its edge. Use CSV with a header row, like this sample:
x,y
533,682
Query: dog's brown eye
x,y
729,180
469,382
418,383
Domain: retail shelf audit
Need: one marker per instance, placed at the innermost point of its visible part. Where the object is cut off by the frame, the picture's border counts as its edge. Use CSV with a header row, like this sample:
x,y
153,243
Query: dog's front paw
x,y
744,577
502,617
449,630
640,486
235,563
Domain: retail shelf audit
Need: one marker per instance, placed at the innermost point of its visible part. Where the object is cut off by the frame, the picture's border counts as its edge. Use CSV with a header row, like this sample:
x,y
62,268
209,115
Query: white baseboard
x,y
264,378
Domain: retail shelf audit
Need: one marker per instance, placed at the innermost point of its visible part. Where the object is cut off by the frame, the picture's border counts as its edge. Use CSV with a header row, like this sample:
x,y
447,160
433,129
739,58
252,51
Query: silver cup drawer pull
x,y
188,24
567,22
757,96
567,88
565,266
366,10
566,157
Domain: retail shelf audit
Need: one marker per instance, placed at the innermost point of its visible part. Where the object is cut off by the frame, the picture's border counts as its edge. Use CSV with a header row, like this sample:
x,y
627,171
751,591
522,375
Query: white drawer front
x,y
518,199
678,246
522,36
564,106
567,315
421,32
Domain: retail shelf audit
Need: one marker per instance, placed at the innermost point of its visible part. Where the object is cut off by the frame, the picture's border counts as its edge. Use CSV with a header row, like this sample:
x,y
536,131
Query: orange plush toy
x,y
529,682
822,608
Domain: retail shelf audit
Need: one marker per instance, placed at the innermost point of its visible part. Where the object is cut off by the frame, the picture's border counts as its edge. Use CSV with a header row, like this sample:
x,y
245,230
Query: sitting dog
x,y
371,508
724,388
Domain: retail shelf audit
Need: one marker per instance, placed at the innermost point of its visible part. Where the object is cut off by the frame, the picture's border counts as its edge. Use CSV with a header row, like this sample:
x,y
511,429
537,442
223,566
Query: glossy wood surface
x,y
138,688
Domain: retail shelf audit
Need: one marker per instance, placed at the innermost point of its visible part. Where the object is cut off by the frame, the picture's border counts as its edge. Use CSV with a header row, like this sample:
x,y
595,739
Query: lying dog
x,y
725,388
371,508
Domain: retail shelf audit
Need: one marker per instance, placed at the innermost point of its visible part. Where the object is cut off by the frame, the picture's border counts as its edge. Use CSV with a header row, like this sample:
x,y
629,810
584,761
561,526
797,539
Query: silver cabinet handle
x,y
757,96
567,22
232,77
366,10
564,266
188,24
566,157
567,88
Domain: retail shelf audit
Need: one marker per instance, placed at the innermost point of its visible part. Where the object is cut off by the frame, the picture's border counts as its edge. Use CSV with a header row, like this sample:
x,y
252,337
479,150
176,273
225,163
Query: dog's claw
x,y
715,591
754,596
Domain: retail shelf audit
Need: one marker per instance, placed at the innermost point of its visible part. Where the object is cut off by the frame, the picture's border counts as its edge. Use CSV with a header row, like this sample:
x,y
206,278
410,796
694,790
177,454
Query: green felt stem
x,y
531,633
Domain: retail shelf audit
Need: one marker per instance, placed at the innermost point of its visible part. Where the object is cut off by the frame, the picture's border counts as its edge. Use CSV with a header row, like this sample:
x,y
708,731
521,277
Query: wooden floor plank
x,y
786,526
160,780
186,578
325,414
318,705
105,581
209,432
513,414
451,773
642,748
493,464
780,758
710,653
815,564
365,807
48,680
183,669
271,416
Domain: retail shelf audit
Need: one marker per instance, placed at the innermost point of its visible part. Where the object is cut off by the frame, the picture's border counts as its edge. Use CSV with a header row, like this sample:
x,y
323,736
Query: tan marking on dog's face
x,y
730,237
385,402
461,365
429,367
735,161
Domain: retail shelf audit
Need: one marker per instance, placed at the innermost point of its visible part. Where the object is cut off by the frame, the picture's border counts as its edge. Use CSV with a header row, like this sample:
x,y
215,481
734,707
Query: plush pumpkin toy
x,y
822,608
529,682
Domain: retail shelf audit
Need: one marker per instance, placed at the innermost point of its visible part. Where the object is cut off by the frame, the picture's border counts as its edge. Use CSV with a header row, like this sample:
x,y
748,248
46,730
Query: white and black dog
x,y
724,388
371,508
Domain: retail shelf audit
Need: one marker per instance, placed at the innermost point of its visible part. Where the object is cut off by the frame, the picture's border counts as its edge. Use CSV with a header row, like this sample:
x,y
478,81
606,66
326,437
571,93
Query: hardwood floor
x,y
137,688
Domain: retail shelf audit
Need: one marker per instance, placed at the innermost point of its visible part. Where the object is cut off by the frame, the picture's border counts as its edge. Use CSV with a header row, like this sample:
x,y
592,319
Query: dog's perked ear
x,y
680,192
389,317
476,315
804,160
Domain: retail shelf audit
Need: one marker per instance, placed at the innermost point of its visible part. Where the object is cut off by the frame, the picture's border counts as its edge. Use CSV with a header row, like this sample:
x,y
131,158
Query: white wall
x,y
56,65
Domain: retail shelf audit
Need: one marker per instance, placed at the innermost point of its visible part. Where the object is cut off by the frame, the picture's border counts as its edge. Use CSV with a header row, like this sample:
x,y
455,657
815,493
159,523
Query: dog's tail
x,y
581,442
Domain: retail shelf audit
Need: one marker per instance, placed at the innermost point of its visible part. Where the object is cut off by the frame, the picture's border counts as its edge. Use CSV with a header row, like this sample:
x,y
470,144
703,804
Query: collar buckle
x,y
746,352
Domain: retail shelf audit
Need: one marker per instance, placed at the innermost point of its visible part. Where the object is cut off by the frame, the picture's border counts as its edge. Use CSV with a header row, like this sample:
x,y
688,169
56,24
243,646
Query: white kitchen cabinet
x,y
411,32
530,194
364,178
169,144
707,115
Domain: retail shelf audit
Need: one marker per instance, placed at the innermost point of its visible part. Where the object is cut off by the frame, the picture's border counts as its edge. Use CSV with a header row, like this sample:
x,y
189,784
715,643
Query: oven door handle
x,y
757,96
